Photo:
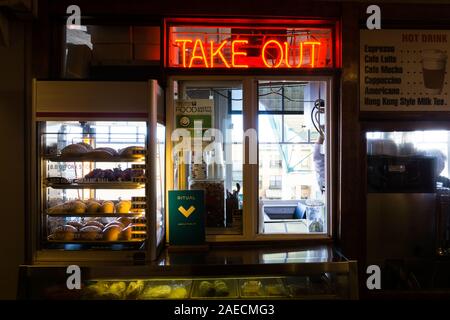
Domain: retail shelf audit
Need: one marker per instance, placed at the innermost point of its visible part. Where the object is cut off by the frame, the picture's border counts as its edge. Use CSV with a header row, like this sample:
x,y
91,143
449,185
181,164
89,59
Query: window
x,y
275,182
291,196
218,171
287,141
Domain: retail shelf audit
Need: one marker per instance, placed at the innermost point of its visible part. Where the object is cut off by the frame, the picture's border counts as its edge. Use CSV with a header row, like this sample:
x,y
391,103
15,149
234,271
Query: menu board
x,y
404,70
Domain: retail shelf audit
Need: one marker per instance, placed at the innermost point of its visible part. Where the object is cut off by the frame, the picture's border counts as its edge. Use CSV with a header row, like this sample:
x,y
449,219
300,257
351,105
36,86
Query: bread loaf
x,y
123,206
107,207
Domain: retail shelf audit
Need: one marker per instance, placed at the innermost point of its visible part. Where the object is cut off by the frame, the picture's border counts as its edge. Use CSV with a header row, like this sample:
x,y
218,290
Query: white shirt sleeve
x,y
319,164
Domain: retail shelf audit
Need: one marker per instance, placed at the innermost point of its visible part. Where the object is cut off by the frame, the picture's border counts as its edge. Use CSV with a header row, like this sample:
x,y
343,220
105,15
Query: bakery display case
x,y
228,273
93,183
99,168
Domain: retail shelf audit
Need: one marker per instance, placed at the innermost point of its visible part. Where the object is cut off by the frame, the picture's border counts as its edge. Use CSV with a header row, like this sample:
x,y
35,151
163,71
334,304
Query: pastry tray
x,y
54,158
97,185
98,214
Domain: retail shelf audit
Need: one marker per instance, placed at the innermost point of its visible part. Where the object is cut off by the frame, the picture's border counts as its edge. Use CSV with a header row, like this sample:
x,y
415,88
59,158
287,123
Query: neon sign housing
x,y
234,46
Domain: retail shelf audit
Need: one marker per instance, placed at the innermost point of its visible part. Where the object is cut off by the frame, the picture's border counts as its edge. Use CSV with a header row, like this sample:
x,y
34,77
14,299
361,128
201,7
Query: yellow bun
x,y
93,207
90,233
107,207
129,152
111,233
126,233
78,207
123,206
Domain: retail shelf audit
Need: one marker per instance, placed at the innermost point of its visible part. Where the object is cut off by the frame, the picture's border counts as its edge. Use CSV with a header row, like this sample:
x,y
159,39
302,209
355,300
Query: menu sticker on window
x,y
187,112
186,217
404,70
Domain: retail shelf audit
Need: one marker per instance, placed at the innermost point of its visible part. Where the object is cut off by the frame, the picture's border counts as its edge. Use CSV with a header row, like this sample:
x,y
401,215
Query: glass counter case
x,y
227,273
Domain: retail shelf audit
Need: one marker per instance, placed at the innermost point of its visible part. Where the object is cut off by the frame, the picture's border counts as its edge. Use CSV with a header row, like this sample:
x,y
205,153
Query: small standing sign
x,y
186,217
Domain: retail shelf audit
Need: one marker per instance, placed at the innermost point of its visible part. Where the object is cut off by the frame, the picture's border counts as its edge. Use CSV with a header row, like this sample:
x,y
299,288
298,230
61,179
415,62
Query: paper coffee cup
x,y
433,68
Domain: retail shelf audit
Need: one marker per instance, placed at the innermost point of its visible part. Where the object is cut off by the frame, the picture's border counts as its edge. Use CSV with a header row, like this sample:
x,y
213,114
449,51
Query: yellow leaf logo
x,y
187,212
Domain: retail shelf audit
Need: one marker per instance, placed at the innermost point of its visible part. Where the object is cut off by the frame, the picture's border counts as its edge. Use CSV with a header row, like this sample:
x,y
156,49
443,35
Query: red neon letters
x,y
274,54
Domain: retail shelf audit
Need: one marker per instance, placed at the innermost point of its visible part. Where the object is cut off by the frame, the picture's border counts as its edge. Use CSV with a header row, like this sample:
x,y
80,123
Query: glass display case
x,y
99,192
93,182
289,274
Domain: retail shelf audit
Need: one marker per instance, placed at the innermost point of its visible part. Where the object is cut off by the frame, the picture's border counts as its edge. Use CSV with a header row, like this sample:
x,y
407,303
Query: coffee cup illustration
x,y
433,68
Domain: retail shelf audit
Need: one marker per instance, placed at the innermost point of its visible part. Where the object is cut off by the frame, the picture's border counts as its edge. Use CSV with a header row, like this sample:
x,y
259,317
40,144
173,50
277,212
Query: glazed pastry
x,y
118,288
131,152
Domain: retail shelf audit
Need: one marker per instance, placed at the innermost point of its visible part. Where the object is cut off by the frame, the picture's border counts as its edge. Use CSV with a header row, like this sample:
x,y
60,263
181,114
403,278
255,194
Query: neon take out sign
x,y
246,47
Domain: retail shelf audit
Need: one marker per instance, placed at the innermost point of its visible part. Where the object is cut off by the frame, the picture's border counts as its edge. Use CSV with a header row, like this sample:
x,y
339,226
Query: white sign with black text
x,y
404,70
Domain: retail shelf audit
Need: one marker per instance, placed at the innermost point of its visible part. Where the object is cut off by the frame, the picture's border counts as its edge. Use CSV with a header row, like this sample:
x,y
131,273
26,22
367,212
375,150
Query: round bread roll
x,y
75,224
110,150
111,233
94,223
90,233
65,233
126,233
123,206
124,220
129,152
78,207
98,154
93,207
60,208
107,207
76,149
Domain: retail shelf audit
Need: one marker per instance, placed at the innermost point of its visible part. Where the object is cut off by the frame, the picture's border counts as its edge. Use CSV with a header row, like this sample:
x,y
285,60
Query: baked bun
x,y
78,207
111,233
76,149
90,233
94,223
131,152
65,233
126,233
107,207
75,224
124,220
123,206
93,207
109,150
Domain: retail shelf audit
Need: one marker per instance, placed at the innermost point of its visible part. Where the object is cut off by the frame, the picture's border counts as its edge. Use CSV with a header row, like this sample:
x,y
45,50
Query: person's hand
x,y
321,139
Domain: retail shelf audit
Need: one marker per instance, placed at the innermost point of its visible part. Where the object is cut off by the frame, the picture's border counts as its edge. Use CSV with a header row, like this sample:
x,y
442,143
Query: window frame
x,y
250,112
